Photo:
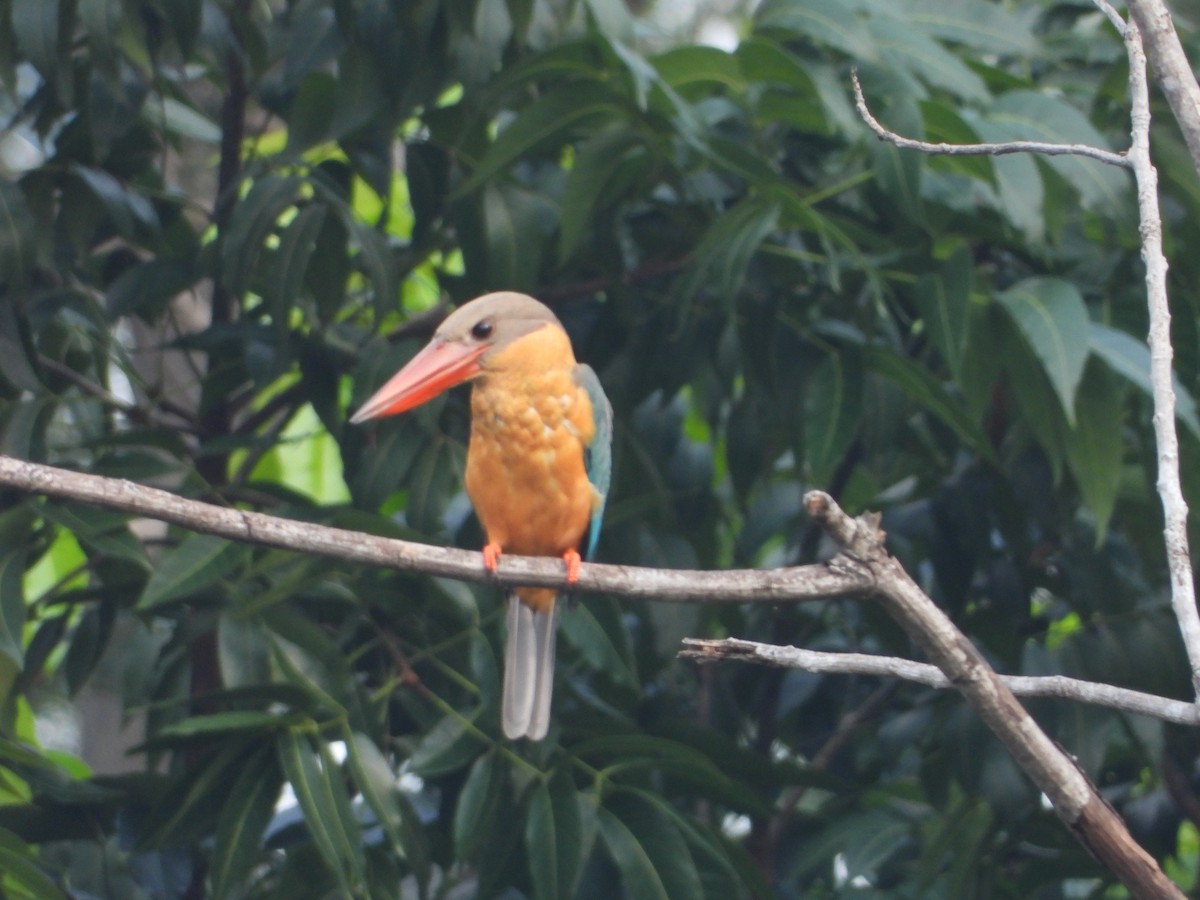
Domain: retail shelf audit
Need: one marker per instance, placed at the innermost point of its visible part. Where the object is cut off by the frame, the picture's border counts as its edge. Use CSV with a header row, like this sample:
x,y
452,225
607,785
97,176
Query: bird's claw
x,y
491,557
574,563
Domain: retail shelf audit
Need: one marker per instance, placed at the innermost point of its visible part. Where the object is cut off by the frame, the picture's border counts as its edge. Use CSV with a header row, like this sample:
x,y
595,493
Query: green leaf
x,y
311,114
832,408
899,172
244,819
20,876
596,164
321,794
830,22
229,722
35,25
254,217
17,237
1051,316
1095,446
944,299
446,747
128,210
180,119
548,121
12,606
477,806
1130,358
1035,116
943,124
604,644
648,850
554,838
923,389
296,247
196,564
377,783
904,47
99,530
696,64
145,289
979,24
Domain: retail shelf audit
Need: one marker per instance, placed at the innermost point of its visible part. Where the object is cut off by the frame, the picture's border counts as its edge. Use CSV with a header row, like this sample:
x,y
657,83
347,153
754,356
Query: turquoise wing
x,y
597,456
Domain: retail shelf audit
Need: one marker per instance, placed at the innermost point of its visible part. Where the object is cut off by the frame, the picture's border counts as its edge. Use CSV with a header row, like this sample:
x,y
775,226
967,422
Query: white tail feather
x,y
528,670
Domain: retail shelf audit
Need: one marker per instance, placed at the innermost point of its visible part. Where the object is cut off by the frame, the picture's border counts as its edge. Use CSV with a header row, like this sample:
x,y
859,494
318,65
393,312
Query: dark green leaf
x,y
477,807
322,796
832,408
924,390
248,811
550,119
16,226
252,219
944,300
1096,445
1130,358
1051,316
196,564
35,25
596,164
834,23
20,876
988,27
12,606
446,747
648,849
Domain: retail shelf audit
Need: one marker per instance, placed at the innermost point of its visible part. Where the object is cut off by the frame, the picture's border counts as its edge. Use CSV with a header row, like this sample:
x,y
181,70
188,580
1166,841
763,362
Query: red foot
x,y
491,557
574,561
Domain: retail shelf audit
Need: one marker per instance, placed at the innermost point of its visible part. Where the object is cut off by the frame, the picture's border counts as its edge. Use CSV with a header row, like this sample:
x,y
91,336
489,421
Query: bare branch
x,y
1175,511
1074,798
994,149
799,583
1171,65
1179,712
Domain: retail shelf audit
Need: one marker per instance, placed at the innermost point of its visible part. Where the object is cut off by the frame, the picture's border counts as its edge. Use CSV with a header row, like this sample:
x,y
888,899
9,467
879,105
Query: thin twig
x,y
990,149
1179,712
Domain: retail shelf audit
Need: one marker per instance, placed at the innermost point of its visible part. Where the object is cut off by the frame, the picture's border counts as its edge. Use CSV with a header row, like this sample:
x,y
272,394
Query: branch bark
x,y
1170,491
1074,798
1178,712
1171,65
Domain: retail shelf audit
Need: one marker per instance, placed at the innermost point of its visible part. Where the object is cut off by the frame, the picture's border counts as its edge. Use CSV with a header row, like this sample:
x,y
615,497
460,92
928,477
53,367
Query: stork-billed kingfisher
x,y
538,463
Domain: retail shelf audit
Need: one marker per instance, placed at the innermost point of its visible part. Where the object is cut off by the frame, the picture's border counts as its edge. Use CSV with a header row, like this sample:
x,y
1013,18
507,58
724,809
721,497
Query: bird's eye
x,y
482,330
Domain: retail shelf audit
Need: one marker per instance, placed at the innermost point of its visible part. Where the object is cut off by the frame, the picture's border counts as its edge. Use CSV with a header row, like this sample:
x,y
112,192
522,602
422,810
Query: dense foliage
x,y
774,301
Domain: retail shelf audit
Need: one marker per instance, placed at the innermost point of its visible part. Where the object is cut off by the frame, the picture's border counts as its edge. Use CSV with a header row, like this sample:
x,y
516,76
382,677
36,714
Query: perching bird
x,y
538,464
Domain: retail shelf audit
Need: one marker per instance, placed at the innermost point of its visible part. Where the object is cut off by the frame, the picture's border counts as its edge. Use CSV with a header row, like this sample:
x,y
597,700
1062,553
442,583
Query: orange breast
x,y
529,424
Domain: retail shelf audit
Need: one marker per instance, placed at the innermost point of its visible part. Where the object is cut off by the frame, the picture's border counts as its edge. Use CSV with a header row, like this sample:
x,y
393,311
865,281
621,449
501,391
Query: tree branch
x,y
1179,712
798,583
995,149
1074,798
1175,511
1171,65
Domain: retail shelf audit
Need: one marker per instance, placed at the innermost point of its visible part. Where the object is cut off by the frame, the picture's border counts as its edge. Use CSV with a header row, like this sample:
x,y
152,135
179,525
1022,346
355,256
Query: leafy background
x,y
224,223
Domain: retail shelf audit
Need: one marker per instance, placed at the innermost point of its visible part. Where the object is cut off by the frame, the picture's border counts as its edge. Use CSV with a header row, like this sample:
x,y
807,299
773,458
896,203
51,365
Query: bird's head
x,y
461,350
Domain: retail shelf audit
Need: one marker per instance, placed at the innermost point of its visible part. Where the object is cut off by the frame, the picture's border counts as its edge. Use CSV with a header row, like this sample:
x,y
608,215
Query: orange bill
x,y
440,365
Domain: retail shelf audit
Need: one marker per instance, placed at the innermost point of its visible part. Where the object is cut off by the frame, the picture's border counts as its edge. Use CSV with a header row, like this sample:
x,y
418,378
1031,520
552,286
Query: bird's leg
x,y
574,561
491,557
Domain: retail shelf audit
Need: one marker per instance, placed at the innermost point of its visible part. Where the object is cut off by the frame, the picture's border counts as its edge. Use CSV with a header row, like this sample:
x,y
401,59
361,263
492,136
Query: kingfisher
x,y
538,467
